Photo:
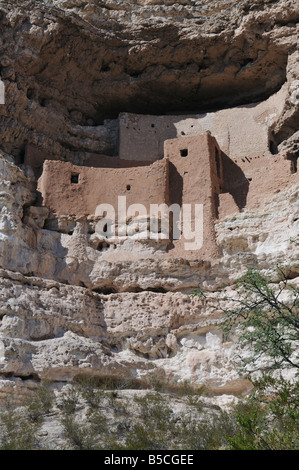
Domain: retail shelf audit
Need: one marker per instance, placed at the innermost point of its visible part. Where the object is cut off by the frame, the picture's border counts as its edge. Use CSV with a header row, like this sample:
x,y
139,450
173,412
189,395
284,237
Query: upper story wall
x,y
240,131
198,161
195,169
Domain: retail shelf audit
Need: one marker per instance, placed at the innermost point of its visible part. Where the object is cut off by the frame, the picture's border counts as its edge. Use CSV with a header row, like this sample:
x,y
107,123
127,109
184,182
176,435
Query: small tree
x,y
266,318
268,419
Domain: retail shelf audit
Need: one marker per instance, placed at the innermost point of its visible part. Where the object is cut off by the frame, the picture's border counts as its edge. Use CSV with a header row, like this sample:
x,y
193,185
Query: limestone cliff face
x,y
69,69
68,66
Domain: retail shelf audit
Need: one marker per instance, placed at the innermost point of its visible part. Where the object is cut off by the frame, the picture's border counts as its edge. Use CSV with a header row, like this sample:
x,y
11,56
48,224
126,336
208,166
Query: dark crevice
x,y
45,337
294,162
132,290
19,153
273,147
158,290
10,375
105,290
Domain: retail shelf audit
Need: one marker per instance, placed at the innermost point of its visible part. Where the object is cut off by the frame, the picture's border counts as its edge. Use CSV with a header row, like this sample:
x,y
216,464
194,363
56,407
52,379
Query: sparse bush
x,y
69,401
40,404
80,436
267,319
89,389
269,419
143,438
154,410
16,431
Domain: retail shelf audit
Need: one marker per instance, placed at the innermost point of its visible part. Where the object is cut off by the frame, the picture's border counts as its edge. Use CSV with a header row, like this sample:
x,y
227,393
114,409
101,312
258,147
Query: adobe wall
x,y
144,185
239,131
142,137
253,180
198,181
187,175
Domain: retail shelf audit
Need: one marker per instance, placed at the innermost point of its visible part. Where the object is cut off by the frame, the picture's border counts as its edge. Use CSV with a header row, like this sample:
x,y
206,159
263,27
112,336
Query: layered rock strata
x,y
70,69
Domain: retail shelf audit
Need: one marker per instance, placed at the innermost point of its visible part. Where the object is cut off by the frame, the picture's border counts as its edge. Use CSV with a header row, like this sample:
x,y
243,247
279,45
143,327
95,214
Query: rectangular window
x,y
75,178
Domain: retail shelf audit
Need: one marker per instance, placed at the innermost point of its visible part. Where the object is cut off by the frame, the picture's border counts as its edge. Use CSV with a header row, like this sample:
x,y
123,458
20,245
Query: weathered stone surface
x,y
258,234
69,65
55,331
69,68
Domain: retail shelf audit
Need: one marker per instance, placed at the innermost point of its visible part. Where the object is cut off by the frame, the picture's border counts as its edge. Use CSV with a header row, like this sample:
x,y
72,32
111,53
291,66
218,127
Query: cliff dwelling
x,y
149,196
192,170
190,173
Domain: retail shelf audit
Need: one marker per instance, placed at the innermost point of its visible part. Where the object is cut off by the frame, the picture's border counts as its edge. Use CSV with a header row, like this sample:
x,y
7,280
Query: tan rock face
x,y
46,335
162,59
70,69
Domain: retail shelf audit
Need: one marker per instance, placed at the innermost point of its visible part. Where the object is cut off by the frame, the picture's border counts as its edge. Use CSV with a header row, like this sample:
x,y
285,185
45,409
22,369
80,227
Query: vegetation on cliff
x,y
120,414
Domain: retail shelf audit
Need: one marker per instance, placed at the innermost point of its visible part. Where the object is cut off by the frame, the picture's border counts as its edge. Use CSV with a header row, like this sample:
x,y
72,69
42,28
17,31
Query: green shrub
x,y
16,431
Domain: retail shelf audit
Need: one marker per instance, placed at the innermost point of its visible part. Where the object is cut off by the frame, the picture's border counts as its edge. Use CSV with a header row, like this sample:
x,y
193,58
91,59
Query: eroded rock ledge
x,y
46,336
